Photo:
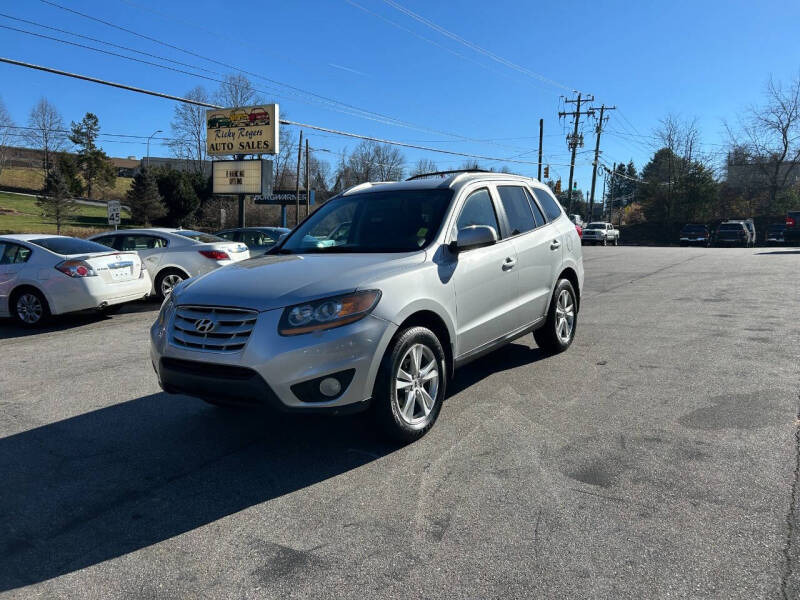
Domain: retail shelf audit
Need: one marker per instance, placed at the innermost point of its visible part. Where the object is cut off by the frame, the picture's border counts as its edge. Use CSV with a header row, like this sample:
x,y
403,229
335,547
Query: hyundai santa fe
x,y
432,273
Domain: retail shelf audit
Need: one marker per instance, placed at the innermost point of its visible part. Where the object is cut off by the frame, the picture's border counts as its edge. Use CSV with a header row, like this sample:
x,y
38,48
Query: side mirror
x,y
474,236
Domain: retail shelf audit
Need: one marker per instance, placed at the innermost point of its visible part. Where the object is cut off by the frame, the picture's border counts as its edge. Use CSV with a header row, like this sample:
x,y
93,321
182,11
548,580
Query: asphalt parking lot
x,y
657,458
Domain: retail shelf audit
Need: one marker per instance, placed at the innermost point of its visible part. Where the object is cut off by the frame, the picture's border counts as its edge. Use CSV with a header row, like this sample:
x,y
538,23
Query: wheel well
x,y
432,321
570,275
168,269
18,290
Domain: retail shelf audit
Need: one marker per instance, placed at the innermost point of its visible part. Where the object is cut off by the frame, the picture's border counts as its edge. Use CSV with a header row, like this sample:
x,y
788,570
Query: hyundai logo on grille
x,y
204,325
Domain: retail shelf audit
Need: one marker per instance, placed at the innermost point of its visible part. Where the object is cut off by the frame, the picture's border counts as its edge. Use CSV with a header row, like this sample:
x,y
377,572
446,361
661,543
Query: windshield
x,y
390,221
730,227
596,226
694,228
68,245
199,236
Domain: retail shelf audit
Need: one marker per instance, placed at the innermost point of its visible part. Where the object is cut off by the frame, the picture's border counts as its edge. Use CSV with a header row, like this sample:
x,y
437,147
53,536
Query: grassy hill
x,y
19,214
31,180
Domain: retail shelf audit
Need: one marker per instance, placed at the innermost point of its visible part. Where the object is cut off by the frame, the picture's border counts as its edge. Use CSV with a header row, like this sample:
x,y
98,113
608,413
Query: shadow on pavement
x,y
10,329
508,357
779,252
109,482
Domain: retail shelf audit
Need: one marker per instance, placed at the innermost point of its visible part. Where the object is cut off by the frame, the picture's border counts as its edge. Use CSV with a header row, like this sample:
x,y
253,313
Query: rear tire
x,y
410,386
166,280
605,242
29,308
562,320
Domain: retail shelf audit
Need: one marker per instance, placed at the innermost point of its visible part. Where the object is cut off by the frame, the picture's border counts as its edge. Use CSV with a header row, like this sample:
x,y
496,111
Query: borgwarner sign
x,y
246,130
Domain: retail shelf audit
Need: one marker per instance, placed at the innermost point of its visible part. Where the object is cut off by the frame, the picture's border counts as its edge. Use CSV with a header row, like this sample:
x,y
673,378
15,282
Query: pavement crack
x,y
792,512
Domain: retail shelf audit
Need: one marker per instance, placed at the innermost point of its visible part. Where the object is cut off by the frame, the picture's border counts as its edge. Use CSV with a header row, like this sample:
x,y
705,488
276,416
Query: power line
x,y
139,90
453,36
386,119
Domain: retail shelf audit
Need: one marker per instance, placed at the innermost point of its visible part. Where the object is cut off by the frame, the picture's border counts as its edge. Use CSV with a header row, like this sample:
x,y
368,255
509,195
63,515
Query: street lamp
x,y
148,144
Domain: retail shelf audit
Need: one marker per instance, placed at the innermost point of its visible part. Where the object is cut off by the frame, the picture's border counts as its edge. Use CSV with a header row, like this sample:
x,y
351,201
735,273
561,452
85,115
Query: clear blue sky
x,y
695,59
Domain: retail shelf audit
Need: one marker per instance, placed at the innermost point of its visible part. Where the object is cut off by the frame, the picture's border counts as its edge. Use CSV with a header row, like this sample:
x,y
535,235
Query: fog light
x,y
330,387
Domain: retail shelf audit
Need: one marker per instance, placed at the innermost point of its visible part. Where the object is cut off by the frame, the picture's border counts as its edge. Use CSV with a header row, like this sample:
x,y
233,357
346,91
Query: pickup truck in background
x,y
791,235
600,233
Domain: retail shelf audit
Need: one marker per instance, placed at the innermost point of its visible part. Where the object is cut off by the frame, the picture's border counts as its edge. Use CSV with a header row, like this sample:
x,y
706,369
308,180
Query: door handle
x,y
509,263
555,245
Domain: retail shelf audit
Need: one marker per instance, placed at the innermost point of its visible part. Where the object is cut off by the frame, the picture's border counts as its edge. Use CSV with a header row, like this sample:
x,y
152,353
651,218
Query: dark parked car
x,y
695,235
733,233
774,234
791,234
257,239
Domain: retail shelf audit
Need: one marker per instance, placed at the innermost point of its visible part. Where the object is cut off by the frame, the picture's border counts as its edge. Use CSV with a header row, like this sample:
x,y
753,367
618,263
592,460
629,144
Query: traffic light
x,y
546,171
558,186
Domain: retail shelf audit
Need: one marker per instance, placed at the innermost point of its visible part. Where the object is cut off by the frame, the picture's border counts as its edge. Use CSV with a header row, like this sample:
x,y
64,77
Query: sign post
x,y
114,213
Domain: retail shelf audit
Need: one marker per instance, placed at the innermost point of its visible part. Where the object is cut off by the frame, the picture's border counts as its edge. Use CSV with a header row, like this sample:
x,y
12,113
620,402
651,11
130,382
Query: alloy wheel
x,y
29,308
169,282
565,316
416,384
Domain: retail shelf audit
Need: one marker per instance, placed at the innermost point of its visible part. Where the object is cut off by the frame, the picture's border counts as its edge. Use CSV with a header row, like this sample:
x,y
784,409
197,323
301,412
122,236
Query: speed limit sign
x,y
114,215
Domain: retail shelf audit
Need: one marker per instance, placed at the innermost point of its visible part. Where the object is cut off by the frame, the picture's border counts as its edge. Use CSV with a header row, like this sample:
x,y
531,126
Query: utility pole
x,y
541,135
297,182
242,197
611,184
599,130
574,140
308,189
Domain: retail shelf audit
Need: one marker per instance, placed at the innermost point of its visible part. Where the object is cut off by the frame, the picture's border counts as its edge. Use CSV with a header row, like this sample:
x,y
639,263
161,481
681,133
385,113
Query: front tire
x,y
605,241
410,386
166,280
562,319
29,308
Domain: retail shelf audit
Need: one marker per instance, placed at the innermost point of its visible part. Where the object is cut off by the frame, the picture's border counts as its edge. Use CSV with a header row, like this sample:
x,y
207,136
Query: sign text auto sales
x,y
239,141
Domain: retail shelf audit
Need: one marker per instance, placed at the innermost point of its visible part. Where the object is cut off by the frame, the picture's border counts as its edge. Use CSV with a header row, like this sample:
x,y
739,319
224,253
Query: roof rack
x,y
444,173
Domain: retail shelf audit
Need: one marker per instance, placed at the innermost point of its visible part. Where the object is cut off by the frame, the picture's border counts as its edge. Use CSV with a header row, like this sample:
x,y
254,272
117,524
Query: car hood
x,y
274,281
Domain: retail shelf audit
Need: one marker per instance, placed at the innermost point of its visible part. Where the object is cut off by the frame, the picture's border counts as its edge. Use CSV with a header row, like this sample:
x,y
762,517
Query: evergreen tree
x,y
179,194
93,163
144,200
55,202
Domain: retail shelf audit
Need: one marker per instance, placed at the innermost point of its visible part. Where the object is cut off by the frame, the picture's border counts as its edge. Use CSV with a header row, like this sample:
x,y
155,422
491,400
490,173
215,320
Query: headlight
x,y
166,309
328,313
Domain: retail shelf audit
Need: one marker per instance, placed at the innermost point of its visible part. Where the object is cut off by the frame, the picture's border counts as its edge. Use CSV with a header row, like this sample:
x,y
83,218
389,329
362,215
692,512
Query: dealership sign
x,y
246,130
242,176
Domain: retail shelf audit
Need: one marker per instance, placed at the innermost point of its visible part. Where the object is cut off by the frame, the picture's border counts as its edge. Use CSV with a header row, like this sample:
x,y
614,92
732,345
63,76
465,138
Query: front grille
x,y
230,331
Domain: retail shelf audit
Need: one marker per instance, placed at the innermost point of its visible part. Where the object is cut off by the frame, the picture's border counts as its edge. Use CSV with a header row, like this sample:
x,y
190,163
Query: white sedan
x,y
172,255
43,274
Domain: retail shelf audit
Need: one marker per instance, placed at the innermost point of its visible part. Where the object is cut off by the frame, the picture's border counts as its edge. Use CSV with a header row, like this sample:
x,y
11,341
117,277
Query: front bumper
x,y
264,372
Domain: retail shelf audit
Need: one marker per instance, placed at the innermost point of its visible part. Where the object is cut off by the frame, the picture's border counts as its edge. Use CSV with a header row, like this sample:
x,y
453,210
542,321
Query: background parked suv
x,y
430,274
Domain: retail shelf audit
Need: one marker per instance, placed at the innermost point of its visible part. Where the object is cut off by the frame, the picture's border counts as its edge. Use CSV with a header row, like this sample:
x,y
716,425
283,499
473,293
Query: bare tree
x,y
237,90
681,139
388,161
424,165
46,131
189,130
6,135
769,136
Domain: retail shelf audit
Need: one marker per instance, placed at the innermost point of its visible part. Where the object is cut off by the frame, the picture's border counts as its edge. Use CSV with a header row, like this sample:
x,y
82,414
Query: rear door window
x,y
13,254
517,208
255,239
106,240
551,208
141,242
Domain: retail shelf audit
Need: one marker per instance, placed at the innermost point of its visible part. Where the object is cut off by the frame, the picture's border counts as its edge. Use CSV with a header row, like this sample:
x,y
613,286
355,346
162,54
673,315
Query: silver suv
x,y
432,273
